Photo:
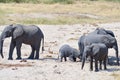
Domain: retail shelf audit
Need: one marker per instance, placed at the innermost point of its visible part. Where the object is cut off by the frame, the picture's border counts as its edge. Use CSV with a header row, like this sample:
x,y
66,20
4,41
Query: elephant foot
x,y
105,68
100,68
10,58
91,69
96,70
18,58
30,58
36,57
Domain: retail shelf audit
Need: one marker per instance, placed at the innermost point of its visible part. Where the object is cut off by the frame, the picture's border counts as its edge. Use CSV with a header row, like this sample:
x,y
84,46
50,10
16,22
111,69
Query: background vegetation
x,y
59,11
50,1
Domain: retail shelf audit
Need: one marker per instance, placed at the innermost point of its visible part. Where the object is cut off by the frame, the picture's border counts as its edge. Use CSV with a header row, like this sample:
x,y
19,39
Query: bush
x,y
38,1
50,1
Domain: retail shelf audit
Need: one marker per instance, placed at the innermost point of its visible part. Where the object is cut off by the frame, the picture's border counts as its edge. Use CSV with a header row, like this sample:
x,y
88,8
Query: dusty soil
x,y
48,67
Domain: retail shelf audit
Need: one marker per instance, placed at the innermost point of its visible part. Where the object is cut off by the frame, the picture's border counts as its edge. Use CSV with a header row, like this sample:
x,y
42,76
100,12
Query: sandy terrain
x,y
48,67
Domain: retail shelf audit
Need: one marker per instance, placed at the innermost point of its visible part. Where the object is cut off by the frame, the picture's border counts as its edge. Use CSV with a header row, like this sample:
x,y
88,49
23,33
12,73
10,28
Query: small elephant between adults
x,y
97,51
67,51
31,35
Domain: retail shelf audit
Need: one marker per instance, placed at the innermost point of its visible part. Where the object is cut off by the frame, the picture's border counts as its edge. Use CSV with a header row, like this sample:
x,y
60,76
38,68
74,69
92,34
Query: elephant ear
x,y
110,33
18,31
105,39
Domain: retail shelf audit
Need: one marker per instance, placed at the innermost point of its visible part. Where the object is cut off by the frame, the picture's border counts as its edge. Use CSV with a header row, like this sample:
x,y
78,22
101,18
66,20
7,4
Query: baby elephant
x,y
67,51
97,51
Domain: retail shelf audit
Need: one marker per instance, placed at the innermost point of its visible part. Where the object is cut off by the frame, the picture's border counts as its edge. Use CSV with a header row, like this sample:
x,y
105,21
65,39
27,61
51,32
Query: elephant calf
x,y
67,51
97,51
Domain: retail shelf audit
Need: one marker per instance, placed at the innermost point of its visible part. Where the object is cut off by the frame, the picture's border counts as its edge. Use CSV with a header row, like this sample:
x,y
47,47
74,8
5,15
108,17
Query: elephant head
x,y
10,31
111,42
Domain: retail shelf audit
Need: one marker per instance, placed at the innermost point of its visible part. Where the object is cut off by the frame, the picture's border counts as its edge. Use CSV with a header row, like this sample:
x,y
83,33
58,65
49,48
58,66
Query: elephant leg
x,y
104,62
74,59
96,65
65,58
37,48
12,46
37,53
116,49
91,64
18,48
32,53
61,59
100,64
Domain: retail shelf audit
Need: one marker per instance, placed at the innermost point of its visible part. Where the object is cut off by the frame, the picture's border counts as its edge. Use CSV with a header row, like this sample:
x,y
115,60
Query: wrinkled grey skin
x,y
67,51
107,37
31,35
97,51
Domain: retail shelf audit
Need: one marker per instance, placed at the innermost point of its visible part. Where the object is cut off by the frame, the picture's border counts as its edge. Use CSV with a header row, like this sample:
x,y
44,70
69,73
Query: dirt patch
x,y
54,15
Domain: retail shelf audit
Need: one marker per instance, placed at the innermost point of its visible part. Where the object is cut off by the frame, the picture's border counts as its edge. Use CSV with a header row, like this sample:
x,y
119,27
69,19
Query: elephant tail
x,y
58,57
43,44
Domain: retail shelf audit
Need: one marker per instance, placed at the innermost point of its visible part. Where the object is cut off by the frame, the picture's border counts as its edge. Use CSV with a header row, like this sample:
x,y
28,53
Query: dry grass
x,y
106,11
116,76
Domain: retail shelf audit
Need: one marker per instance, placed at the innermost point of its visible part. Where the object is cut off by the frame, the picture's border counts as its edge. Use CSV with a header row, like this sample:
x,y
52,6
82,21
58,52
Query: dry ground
x,y
48,67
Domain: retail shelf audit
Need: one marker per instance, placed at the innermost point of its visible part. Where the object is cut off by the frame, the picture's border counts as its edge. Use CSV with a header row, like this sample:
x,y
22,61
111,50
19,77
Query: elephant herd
x,y
94,45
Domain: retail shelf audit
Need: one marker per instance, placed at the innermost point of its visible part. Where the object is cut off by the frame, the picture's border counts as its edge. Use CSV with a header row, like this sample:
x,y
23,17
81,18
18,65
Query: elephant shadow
x,y
113,69
48,59
42,59
112,61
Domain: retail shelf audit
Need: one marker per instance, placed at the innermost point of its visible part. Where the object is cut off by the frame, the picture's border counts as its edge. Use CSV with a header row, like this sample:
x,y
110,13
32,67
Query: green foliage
x,y
50,1
113,0
38,1
58,1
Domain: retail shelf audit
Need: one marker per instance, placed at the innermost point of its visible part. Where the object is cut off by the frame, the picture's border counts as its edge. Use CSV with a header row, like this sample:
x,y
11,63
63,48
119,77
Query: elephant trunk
x,y
116,49
1,46
83,61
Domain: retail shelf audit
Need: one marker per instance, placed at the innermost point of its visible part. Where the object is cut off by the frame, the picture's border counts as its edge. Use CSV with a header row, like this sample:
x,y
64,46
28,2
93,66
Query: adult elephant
x,y
99,36
31,35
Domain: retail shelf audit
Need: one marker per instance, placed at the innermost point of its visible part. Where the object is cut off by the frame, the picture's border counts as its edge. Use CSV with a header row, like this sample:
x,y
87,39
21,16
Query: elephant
x,y
98,52
31,35
67,51
99,36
